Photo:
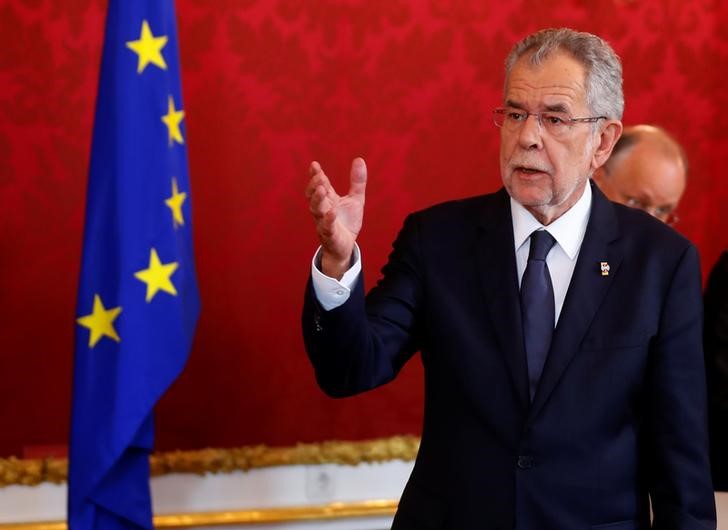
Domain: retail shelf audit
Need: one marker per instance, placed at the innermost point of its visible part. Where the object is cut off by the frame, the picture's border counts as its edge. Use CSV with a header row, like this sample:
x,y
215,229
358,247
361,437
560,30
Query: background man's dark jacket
x,y
716,362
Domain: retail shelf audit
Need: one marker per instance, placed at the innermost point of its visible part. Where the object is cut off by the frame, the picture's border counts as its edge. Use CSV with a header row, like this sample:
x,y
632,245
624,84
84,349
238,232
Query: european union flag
x,y
138,301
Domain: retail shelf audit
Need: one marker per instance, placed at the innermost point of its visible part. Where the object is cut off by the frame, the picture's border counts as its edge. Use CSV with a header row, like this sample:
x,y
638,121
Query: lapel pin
x,y
604,268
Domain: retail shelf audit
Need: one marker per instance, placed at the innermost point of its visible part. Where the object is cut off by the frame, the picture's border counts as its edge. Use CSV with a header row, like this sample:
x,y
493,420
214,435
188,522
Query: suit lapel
x,y
586,292
498,277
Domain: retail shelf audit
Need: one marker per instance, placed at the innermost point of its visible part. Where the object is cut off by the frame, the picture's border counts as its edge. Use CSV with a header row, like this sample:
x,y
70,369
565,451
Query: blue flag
x,y
138,301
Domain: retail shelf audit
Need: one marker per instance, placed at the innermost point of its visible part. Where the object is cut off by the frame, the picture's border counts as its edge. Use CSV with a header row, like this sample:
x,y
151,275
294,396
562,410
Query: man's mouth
x,y
529,170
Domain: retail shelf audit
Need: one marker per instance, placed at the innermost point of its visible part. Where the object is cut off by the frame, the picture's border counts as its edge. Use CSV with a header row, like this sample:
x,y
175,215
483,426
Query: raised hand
x,y
338,219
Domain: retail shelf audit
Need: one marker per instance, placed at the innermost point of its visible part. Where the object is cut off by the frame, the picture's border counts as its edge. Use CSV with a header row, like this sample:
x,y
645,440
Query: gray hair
x,y
603,67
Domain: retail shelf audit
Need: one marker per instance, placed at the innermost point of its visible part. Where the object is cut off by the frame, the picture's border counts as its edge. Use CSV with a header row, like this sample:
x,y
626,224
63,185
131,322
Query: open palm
x,y
338,218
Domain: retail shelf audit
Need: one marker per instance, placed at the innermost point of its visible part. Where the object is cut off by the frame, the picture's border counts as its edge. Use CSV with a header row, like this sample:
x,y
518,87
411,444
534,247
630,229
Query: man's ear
x,y
605,142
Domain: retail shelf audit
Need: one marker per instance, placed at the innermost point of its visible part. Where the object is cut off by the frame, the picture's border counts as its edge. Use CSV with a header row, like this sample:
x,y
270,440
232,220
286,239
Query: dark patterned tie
x,y
537,306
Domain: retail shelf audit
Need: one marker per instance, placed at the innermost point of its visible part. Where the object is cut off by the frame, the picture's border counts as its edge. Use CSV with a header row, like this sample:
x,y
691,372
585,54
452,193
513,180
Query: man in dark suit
x,y
716,362
560,333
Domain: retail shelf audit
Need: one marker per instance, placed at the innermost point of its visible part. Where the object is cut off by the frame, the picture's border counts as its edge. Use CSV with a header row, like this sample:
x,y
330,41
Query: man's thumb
x,y
358,177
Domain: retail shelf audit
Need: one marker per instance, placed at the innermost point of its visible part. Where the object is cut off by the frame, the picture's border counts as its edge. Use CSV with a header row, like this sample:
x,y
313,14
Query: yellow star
x,y
157,276
175,204
100,322
148,48
172,120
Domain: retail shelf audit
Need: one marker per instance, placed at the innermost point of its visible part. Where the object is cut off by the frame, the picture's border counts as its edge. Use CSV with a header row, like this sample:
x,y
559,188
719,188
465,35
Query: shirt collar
x,y
568,230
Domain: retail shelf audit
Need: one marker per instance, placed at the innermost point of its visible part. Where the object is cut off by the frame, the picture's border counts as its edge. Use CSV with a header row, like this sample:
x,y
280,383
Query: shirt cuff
x,y
330,292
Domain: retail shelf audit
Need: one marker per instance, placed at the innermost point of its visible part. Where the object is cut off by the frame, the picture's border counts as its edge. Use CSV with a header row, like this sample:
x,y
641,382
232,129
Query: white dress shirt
x,y
568,231
331,292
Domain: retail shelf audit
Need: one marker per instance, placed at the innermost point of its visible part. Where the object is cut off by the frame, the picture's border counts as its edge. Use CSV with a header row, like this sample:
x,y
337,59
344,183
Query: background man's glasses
x,y
555,123
664,213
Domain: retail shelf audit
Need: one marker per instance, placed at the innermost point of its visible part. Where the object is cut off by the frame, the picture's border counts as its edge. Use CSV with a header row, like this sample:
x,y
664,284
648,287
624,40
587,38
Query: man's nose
x,y
531,134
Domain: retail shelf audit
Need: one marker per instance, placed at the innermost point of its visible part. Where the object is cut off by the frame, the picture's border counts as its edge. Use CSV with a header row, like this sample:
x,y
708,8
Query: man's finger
x,y
311,187
319,180
358,178
316,175
320,202
326,225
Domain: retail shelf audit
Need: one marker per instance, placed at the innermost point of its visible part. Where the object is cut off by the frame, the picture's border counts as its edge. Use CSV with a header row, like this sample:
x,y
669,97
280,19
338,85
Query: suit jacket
x,y
620,410
716,363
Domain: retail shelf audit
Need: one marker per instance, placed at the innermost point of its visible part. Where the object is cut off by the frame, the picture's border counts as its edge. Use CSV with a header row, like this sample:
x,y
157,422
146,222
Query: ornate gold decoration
x,y
45,525
335,510
32,472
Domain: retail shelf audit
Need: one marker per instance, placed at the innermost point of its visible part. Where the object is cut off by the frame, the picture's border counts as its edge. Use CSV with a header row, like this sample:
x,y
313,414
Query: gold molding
x,y
31,472
334,510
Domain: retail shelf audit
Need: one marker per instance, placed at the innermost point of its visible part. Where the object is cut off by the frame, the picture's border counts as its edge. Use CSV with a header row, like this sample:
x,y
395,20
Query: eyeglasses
x,y
666,214
554,122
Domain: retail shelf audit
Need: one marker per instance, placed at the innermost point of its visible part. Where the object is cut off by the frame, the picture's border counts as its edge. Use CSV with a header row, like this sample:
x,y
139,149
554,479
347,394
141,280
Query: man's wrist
x,y
331,292
335,267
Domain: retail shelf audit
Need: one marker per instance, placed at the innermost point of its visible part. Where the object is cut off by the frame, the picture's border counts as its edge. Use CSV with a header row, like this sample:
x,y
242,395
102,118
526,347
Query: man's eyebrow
x,y
558,107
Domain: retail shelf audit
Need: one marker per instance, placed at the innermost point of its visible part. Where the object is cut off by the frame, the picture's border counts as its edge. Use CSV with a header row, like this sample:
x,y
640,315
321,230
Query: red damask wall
x,y
270,85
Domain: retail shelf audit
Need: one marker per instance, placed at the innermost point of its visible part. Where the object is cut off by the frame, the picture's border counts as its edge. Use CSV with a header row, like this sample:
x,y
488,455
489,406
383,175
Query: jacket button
x,y
525,462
